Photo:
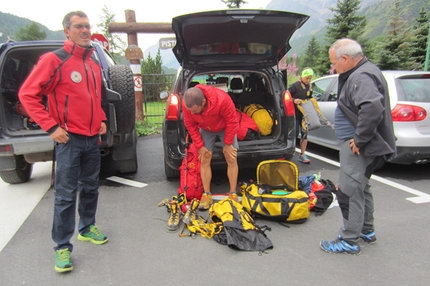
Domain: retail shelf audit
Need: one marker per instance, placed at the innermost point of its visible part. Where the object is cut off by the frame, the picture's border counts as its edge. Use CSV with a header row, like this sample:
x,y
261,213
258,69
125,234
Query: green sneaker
x,y
94,235
63,263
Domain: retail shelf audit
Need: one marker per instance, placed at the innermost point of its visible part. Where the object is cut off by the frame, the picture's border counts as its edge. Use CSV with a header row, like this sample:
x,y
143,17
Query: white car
x,y
410,107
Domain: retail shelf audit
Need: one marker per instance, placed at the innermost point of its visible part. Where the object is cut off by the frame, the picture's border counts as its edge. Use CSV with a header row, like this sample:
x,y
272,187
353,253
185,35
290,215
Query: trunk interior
x,y
17,65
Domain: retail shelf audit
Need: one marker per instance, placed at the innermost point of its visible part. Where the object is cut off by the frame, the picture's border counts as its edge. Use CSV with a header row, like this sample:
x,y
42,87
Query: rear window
x,y
416,89
233,48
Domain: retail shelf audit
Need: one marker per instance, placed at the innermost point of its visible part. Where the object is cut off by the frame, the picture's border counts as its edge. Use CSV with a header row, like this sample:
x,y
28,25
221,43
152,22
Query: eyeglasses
x,y
333,64
81,26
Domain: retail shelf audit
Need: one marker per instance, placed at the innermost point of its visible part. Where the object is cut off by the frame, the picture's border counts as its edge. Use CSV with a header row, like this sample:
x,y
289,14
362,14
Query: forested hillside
x,y
377,12
10,24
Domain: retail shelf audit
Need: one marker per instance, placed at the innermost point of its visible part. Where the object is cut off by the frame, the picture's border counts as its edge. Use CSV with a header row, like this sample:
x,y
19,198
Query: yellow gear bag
x,y
276,196
261,116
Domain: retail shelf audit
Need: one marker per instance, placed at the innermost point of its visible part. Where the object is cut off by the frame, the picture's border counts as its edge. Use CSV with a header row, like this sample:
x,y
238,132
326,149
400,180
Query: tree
x,y
30,33
345,24
116,43
234,3
394,53
153,77
312,52
419,40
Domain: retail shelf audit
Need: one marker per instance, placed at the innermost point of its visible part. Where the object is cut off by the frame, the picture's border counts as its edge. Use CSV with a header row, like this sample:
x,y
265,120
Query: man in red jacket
x,y
71,79
210,113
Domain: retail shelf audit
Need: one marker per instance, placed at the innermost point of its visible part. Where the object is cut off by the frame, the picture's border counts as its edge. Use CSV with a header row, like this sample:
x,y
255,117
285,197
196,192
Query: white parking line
x,y
420,198
18,201
127,182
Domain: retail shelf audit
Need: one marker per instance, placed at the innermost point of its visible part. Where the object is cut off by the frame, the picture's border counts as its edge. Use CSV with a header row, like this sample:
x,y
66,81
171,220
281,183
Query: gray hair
x,y
348,47
66,20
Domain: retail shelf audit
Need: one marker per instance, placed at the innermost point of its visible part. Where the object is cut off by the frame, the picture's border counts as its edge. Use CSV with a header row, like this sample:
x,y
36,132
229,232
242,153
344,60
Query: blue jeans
x,y
77,171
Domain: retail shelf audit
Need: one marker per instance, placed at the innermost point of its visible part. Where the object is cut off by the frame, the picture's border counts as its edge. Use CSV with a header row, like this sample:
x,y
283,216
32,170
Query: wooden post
x,y
134,54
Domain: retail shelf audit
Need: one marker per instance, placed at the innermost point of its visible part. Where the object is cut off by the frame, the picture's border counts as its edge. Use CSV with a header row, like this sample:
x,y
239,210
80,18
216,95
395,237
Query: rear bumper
x,y
28,145
245,158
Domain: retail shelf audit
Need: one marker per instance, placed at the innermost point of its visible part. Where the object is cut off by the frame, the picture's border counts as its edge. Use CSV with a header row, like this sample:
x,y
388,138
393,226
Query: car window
x,y
416,89
231,48
319,90
333,93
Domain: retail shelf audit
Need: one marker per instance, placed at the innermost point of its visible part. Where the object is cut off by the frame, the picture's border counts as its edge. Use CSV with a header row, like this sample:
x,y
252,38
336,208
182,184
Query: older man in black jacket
x,y
363,123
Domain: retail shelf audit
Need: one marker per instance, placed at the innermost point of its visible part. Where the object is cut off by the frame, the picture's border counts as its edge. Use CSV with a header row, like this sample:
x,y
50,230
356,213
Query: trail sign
x,y
101,39
167,43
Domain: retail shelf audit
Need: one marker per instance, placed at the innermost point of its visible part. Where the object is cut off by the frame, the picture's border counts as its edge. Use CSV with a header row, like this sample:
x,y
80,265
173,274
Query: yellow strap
x,y
200,225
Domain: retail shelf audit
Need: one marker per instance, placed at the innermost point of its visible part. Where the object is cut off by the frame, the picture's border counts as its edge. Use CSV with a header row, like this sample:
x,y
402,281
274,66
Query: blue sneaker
x,y
339,245
304,159
368,237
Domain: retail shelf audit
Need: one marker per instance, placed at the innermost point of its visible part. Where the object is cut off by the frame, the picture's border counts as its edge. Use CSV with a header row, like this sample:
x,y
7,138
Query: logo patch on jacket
x,y
76,77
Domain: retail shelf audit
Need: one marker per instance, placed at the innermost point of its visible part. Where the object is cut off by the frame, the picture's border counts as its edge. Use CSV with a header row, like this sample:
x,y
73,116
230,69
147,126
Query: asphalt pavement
x,y
141,251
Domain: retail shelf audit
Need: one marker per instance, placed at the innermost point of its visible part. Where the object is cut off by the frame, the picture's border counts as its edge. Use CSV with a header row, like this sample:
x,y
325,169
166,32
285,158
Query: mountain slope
x,y
377,12
10,24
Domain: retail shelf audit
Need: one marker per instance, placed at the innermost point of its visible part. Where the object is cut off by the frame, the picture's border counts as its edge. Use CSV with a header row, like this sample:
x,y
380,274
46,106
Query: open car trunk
x,y
18,64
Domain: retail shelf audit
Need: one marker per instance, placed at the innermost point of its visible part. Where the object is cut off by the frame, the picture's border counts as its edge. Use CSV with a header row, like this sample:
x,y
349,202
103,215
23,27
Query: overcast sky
x,y
51,12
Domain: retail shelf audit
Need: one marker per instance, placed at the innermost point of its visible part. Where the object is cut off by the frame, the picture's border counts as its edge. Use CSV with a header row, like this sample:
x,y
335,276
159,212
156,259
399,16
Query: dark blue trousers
x,y
77,173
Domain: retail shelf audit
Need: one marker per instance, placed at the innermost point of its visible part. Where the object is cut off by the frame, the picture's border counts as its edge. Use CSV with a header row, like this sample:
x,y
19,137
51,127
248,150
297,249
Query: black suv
x,y
238,51
23,142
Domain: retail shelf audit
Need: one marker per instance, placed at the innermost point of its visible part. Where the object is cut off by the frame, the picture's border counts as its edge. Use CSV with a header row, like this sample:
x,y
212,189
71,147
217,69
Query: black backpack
x,y
324,197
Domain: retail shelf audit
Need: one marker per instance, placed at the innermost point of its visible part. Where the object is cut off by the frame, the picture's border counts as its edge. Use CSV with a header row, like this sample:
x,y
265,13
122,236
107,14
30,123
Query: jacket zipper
x,y
89,90
66,112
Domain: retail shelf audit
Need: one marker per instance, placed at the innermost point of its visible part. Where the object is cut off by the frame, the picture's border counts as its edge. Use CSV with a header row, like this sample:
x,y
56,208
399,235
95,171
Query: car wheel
x,y
171,174
121,78
20,174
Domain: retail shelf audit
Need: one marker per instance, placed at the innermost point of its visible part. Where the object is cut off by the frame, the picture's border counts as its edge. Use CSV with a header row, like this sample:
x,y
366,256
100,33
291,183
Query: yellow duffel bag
x,y
261,116
275,195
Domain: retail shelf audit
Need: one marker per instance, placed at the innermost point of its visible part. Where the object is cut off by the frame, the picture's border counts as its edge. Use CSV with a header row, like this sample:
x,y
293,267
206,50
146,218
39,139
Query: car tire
x,y
171,174
121,78
20,174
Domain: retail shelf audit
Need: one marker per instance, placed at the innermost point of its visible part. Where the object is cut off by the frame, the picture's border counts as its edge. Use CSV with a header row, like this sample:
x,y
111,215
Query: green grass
x,y
154,114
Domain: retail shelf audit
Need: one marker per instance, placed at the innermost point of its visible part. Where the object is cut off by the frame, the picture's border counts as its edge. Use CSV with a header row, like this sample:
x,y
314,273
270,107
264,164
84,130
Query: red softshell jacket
x,y
220,114
72,81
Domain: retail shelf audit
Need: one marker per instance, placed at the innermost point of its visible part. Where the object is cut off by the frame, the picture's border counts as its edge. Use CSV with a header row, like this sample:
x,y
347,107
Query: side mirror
x,y
164,94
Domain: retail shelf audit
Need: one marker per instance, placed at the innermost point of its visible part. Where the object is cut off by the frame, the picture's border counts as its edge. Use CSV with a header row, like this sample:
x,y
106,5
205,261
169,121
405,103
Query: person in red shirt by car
x,y
209,113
